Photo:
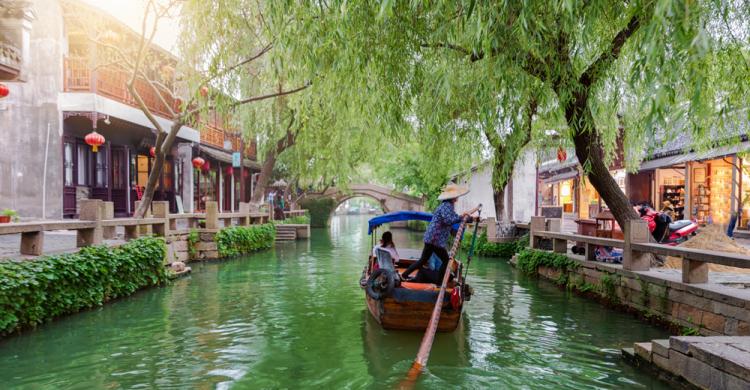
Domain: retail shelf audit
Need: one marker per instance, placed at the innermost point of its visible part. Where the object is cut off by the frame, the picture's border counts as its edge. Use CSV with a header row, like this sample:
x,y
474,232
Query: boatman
x,y
436,236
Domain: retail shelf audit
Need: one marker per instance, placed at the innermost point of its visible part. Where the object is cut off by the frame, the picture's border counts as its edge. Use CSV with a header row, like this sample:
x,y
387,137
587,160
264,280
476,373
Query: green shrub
x,y
33,291
236,240
504,250
296,220
418,226
529,260
192,242
320,210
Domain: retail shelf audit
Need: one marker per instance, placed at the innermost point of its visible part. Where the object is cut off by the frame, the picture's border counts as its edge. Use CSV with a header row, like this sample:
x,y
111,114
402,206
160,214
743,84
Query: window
x,y
101,168
142,170
83,165
68,164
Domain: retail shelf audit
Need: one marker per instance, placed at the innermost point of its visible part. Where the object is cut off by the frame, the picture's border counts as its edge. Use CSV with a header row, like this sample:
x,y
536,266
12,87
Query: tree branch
x,y
593,72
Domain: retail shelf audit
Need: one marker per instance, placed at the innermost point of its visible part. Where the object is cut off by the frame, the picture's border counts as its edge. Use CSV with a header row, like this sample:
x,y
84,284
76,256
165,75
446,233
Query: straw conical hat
x,y
453,191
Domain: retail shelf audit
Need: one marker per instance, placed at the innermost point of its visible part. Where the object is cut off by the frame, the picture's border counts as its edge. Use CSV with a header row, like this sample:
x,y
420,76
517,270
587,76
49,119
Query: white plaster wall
x,y
524,186
480,191
27,115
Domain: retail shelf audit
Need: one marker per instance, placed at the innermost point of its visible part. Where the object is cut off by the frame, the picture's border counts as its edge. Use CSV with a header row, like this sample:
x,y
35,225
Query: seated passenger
x,y
386,243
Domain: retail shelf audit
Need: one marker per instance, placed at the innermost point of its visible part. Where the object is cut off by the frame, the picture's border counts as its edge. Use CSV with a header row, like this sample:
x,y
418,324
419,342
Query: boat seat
x,y
419,286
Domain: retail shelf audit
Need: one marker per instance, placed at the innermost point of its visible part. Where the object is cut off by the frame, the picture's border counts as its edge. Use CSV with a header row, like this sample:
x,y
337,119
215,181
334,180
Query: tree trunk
x,y
499,195
162,147
589,150
269,162
265,174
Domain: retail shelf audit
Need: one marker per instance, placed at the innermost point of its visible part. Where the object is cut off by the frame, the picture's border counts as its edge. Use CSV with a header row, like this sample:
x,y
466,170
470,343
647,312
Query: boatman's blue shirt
x,y
443,218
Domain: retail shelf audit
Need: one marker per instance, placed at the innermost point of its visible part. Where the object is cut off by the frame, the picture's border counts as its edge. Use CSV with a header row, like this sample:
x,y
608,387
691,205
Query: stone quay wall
x,y
708,309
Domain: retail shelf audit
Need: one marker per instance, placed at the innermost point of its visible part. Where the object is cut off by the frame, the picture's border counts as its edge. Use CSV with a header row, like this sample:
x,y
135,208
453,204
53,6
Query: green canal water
x,y
295,317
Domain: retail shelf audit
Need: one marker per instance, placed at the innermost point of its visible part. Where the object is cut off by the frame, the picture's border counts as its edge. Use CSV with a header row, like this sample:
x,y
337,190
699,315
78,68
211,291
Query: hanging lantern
x,y
152,151
204,91
206,166
198,162
562,155
4,91
95,140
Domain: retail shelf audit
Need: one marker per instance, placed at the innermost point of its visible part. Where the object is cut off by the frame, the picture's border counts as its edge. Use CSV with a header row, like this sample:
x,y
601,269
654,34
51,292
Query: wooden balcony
x,y
112,83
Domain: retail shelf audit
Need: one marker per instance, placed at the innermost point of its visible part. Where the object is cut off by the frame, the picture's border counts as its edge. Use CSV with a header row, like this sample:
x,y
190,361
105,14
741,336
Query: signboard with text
x,y
236,160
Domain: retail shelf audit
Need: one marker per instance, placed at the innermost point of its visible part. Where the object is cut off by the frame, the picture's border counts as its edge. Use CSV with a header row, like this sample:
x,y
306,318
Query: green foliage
x,y
34,291
13,214
192,240
296,220
504,250
418,226
529,260
320,210
236,240
608,286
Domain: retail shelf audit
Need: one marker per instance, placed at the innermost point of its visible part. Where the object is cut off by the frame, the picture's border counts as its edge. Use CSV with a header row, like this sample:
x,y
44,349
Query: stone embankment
x,y
721,362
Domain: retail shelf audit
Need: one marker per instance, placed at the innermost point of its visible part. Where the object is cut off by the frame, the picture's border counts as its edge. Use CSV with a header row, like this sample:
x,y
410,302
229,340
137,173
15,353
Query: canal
x,y
295,317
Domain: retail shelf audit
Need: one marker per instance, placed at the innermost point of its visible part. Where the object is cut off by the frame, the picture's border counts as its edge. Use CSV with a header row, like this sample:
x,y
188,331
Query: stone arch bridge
x,y
389,199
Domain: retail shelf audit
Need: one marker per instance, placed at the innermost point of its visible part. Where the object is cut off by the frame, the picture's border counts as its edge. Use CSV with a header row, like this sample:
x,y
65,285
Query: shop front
x,y
221,179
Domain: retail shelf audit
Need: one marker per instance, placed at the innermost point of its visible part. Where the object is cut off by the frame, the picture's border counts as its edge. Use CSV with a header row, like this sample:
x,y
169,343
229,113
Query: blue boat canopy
x,y
398,216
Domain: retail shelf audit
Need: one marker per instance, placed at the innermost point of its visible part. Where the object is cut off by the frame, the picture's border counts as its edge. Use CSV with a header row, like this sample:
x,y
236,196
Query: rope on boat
x,y
429,336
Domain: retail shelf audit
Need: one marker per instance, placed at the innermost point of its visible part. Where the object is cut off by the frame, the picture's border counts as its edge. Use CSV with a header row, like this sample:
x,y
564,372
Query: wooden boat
x,y
408,305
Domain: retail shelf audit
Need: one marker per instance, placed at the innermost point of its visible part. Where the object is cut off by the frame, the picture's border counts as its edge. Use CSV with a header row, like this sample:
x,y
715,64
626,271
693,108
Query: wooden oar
x,y
429,336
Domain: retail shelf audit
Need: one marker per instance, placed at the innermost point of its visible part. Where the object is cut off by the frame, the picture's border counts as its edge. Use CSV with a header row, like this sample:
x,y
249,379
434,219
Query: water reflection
x,y
295,317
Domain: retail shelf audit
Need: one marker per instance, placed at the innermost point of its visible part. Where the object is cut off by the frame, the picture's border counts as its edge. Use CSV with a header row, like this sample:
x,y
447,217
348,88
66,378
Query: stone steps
x,y
286,233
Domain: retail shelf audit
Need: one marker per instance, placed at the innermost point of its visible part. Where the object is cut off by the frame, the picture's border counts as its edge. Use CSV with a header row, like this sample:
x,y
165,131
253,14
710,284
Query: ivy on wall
x,y
32,292
320,210
504,250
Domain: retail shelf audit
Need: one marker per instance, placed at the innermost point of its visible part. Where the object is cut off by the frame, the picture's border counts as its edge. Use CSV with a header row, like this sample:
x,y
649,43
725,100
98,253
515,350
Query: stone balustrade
x,y
97,223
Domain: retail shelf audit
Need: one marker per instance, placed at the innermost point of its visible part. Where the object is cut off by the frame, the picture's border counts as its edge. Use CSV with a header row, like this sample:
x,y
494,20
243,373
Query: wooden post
x,y
636,231
558,245
694,271
108,212
212,215
160,209
32,243
91,210
536,224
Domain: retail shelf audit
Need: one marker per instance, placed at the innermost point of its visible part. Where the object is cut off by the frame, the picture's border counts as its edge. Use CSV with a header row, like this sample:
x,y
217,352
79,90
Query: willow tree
x,y
483,64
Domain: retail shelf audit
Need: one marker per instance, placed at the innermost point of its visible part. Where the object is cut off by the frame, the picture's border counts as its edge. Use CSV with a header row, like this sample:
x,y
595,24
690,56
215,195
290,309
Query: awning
x,y
226,157
400,216
560,177
696,156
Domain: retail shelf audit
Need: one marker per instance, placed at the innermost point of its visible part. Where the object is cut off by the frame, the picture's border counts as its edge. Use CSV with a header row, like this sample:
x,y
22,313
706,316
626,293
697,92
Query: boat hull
x,y
408,309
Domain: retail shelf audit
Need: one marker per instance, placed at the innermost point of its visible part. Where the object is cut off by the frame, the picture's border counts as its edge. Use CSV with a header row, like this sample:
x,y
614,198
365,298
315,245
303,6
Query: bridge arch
x,y
389,199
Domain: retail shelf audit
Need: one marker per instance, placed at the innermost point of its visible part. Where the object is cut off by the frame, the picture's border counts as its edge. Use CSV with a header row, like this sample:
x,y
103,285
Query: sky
x,y
130,12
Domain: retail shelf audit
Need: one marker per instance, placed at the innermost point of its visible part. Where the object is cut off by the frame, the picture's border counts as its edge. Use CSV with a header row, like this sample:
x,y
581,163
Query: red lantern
x,y
562,155
4,91
95,140
198,162
152,151
207,166
204,91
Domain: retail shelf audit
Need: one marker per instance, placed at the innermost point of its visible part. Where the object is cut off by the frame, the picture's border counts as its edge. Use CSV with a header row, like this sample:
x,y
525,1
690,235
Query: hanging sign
x,y
236,160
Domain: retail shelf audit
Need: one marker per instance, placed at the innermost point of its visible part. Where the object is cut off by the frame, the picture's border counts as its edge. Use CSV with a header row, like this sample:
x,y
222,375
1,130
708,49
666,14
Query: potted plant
x,y
7,215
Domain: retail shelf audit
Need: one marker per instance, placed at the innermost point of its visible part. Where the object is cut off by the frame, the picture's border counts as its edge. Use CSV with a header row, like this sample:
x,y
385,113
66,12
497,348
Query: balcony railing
x,y
112,83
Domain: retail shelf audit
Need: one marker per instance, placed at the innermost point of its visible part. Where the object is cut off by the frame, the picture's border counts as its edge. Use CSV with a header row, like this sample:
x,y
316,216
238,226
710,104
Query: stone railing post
x,y
558,245
491,229
91,210
245,211
537,223
212,215
32,243
144,229
636,232
160,210
108,212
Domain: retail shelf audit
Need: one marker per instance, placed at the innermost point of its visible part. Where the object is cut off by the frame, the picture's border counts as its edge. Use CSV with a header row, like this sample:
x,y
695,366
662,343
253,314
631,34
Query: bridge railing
x,y
637,250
